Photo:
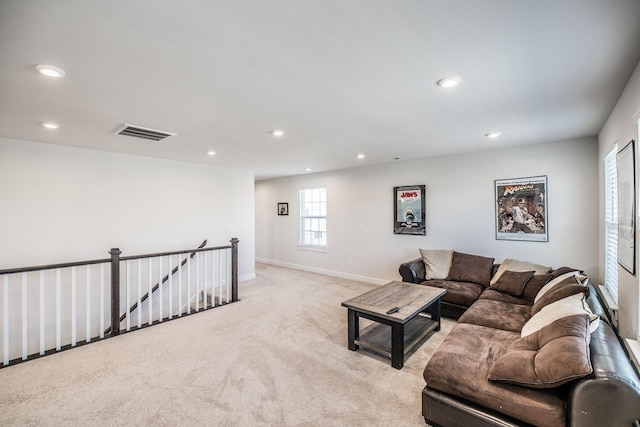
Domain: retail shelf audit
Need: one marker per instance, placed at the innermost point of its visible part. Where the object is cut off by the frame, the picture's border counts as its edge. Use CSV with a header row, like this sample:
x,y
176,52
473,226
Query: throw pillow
x,y
555,281
512,282
562,270
534,285
470,268
566,288
517,265
569,306
437,263
550,357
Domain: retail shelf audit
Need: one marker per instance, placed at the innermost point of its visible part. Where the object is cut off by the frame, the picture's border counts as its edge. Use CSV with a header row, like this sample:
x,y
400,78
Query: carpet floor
x,y
278,357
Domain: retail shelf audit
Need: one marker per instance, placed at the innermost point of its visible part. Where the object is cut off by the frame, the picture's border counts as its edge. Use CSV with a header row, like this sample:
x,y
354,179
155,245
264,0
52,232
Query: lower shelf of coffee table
x,y
377,337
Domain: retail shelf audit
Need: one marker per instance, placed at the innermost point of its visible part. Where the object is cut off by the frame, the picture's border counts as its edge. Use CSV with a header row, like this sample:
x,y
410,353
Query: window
x,y
313,217
611,224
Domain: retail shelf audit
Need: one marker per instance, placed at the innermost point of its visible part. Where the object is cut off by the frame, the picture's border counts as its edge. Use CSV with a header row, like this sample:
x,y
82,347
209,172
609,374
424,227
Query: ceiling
x,y
340,77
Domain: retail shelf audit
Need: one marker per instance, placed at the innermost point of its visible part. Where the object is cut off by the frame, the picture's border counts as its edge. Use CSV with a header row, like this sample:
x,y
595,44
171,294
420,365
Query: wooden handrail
x,y
53,266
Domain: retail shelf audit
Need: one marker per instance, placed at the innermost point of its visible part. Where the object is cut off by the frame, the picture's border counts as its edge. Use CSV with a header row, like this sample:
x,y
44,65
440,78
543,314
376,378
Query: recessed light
x,y
307,170
492,134
211,153
50,70
449,82
50,125
360,156
277,132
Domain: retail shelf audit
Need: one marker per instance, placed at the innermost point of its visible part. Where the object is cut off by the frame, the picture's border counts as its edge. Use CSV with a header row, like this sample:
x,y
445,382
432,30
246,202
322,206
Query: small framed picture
x,y
283,208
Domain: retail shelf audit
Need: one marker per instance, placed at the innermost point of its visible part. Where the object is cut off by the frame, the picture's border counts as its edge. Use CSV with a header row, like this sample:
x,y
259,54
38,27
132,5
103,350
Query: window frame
x,y
611,223
320,217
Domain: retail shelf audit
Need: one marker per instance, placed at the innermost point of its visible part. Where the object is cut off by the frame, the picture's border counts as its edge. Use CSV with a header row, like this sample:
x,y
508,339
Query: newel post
x,y
115,291
234,269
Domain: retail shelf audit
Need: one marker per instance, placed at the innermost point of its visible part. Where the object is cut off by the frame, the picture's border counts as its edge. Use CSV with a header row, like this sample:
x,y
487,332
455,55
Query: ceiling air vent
x,y
144,133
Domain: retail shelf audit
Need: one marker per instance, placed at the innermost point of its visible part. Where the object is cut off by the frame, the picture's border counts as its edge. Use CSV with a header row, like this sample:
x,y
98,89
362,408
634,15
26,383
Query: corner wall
x,y
460,211
620,128
64,204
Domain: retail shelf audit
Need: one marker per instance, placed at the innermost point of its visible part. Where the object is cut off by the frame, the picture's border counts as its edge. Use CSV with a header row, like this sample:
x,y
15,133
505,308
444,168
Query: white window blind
x,y
611,223
313,217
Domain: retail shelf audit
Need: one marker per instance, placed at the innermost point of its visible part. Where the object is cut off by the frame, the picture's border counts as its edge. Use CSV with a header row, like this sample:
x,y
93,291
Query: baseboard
x,y
333,273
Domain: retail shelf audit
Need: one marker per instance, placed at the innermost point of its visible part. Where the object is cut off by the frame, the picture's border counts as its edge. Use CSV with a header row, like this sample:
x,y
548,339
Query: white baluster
x,y
213,278
150,299
161,313
73,307
220,277
5,310
188,285
128,297
197,281
179,287
24,316
58,312
88,303
228,265
170,289
101,301
41,312
139,314
204,290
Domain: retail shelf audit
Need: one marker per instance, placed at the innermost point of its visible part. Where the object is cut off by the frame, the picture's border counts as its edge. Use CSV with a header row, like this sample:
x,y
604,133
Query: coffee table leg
x,y
435,313
353,329
397,346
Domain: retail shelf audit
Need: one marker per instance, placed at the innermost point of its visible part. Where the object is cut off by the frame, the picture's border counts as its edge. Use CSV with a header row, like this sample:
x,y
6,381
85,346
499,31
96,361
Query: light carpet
x,y
278,357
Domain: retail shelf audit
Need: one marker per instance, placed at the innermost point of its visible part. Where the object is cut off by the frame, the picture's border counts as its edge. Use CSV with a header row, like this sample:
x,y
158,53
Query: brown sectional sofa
x,y
500,367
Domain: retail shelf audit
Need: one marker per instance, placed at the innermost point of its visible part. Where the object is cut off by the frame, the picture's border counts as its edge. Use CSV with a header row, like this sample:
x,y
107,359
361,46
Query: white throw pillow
x,y
516,265
546,288
437,263
569,306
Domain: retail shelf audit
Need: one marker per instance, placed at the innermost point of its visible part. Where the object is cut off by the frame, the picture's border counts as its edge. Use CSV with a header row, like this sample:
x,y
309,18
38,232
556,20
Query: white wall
x,y
620,128
460,211
62,204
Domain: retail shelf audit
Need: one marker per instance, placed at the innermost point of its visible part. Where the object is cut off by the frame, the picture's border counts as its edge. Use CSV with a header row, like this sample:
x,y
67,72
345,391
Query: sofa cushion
x,y
494,295
550,357
497,314
569,306
460,368
534,285
470,268
566,288
437,263
510,264
459,293
512,282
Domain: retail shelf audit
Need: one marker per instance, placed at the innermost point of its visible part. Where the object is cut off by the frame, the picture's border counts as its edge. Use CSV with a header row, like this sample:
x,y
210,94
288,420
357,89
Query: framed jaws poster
x,y
409,213
521,209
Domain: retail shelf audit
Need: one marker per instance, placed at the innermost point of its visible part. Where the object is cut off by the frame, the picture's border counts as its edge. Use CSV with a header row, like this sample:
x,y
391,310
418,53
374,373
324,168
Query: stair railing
x,y
156,286
50,308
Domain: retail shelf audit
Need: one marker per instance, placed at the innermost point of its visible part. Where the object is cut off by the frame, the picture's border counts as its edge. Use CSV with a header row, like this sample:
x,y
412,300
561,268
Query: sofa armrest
x,y
413,271
611,395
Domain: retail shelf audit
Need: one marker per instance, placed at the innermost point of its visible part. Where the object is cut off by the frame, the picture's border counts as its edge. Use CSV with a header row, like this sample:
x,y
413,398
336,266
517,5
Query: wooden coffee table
x,y
409,323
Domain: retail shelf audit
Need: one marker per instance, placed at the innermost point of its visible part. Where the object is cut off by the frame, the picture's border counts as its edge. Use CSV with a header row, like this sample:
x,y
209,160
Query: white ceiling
x,y
341,77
